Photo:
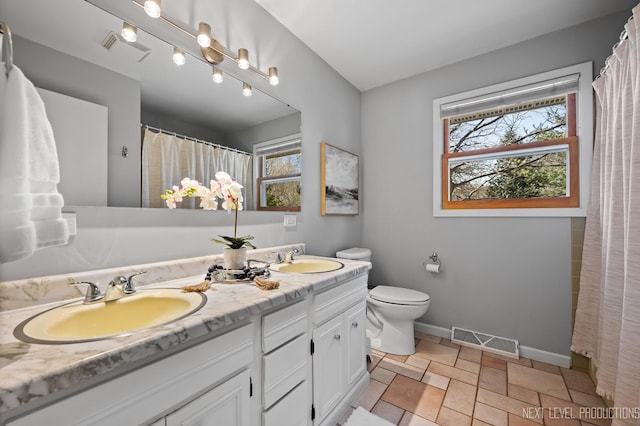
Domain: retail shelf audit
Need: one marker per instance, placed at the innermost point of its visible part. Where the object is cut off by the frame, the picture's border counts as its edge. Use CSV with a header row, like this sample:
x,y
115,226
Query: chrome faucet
x,y
288,256
119,287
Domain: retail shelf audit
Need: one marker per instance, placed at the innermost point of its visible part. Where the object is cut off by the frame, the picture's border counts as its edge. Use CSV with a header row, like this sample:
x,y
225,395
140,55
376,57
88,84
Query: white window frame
x,y
584,130
258,149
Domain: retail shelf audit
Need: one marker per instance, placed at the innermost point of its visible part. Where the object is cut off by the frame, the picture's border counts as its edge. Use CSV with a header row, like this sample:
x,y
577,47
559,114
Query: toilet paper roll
x,y
432,267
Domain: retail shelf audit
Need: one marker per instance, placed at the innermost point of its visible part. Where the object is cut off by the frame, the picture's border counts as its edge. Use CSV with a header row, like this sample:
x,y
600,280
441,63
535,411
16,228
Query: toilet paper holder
x,y
434,265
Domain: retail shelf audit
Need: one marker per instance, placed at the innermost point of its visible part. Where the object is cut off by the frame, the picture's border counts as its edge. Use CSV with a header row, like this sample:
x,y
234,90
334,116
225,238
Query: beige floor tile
x,y
448,342
537,380
436,380
549,368
521,361
382,375
375,359
585,399
378,353
577,380
490,415
561,412
388,412
417,361
523,394
437,352
428,337
402,368
510,405
410,419
448,417
399,358
470,354
492,362
477,422
453,373
472,367
493,379
414,396
460,397
370,396
519,421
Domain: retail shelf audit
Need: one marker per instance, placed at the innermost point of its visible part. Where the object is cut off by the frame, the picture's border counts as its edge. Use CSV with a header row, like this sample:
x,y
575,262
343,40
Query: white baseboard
x,y
525,351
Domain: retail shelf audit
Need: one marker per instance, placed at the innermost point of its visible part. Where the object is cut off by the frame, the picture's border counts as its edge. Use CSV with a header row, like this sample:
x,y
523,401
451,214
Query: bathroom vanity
x,y
291,356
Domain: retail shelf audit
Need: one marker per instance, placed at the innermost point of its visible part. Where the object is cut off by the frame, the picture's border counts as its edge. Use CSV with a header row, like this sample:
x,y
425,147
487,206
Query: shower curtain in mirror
x,y
167,159
607,323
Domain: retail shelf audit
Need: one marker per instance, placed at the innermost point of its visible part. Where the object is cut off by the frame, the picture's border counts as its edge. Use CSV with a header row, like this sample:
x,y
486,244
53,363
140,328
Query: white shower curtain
x,y
607,325
167,159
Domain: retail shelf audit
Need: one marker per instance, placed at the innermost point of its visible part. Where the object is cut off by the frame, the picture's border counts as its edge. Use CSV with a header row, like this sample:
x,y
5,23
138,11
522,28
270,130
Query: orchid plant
x,y
224,188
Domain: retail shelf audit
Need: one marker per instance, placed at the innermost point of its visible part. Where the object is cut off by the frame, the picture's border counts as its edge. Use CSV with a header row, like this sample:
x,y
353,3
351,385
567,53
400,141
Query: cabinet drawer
x,y
284,368
336,300
283,325
292,410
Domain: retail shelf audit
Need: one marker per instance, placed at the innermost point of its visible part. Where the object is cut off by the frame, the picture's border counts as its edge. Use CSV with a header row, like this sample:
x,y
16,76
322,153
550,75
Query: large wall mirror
x,y
60,46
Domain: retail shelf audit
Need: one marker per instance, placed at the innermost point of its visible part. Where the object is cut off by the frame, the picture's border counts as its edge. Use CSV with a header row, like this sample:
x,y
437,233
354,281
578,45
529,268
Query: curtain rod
x,y
166,132
623,36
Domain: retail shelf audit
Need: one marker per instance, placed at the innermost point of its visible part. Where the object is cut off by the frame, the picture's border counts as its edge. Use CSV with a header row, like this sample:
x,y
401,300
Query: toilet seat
x,y
398,296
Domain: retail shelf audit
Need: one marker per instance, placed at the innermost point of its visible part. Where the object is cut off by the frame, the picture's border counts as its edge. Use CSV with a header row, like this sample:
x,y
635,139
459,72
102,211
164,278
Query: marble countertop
x,y
29,372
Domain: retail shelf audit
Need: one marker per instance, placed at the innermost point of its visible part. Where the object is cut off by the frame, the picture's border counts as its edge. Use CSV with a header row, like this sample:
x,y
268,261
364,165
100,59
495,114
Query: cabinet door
x,y
355,325
328,366
224,405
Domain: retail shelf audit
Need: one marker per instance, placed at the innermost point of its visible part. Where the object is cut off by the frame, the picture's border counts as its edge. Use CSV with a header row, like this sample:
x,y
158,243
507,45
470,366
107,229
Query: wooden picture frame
x,y
339,181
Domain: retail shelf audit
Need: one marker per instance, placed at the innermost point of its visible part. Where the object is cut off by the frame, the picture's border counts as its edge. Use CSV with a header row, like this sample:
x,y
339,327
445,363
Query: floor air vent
x,y
486,342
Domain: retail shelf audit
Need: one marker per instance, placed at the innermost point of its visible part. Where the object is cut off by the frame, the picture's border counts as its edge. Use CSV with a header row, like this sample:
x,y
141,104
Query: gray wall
x,y
505,276
58,72
269,130
173,123
330,112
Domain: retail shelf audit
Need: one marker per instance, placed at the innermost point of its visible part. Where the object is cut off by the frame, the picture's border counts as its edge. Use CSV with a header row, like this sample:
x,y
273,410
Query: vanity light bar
x,y
204,31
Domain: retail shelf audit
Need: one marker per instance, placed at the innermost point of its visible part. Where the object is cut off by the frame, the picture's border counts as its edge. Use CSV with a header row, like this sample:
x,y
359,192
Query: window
x,y
514,149
279,173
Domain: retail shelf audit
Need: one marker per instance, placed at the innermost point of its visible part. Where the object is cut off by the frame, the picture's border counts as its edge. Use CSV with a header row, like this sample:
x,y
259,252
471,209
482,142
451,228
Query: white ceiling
x,y
375,42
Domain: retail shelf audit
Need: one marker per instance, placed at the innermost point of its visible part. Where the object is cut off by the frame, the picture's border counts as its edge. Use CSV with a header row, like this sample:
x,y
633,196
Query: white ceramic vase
x,y
235,258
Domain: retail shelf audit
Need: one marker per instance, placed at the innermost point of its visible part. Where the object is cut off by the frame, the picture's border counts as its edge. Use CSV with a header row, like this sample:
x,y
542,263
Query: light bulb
x,y
152,8
178,57
273,76
217,75
243,59
204,34
129,32
246,89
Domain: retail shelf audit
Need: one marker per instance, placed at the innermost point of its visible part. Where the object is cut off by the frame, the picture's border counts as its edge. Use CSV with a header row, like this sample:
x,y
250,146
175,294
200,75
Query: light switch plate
x,y
289,220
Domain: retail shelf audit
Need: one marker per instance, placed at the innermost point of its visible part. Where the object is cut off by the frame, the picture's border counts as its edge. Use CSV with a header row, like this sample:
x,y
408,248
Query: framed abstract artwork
x,y
339,177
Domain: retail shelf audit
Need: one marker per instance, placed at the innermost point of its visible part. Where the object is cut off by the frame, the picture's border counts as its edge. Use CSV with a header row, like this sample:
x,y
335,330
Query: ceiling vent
x,y
116,44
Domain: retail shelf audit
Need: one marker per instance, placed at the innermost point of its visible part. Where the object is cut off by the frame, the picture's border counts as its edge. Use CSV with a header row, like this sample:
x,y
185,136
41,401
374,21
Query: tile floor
x,y
450,385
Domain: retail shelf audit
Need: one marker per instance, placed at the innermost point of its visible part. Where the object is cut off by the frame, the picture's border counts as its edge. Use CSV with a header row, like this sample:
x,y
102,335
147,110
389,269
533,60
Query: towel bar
x,y
7,47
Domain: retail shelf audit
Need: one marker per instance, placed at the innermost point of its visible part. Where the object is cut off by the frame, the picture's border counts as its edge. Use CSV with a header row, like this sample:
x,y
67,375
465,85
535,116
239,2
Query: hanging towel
x,y
30,205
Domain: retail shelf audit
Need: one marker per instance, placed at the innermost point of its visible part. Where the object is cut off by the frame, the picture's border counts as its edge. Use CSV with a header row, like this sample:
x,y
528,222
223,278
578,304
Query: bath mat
x,y
361,417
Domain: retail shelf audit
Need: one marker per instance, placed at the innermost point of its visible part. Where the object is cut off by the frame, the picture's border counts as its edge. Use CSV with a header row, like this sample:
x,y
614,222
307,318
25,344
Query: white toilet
x,y
391,311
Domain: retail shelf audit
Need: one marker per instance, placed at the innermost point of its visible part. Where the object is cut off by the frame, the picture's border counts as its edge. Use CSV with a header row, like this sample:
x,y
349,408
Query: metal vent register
x,y
486,342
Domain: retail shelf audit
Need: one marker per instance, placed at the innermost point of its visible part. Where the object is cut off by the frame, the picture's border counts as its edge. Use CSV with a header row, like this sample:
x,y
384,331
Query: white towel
x,y
30,205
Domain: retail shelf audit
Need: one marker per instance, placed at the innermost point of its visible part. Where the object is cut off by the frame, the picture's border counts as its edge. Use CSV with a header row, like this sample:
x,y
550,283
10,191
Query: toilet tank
x,y
355,253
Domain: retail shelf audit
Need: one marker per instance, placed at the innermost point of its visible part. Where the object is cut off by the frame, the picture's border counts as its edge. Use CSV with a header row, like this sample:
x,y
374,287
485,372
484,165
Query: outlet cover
x,y
289,220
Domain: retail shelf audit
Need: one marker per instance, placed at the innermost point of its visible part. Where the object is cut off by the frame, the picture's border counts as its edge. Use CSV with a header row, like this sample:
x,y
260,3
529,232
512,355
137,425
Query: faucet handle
x,y
93,292
129,287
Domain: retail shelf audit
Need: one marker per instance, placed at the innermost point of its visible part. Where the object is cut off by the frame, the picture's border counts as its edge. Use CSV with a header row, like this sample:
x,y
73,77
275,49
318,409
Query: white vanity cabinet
x,y
285,367
205,384
339,350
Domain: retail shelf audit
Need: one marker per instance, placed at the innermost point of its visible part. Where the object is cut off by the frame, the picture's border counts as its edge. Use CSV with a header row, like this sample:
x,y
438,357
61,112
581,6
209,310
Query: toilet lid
x,y
398,295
